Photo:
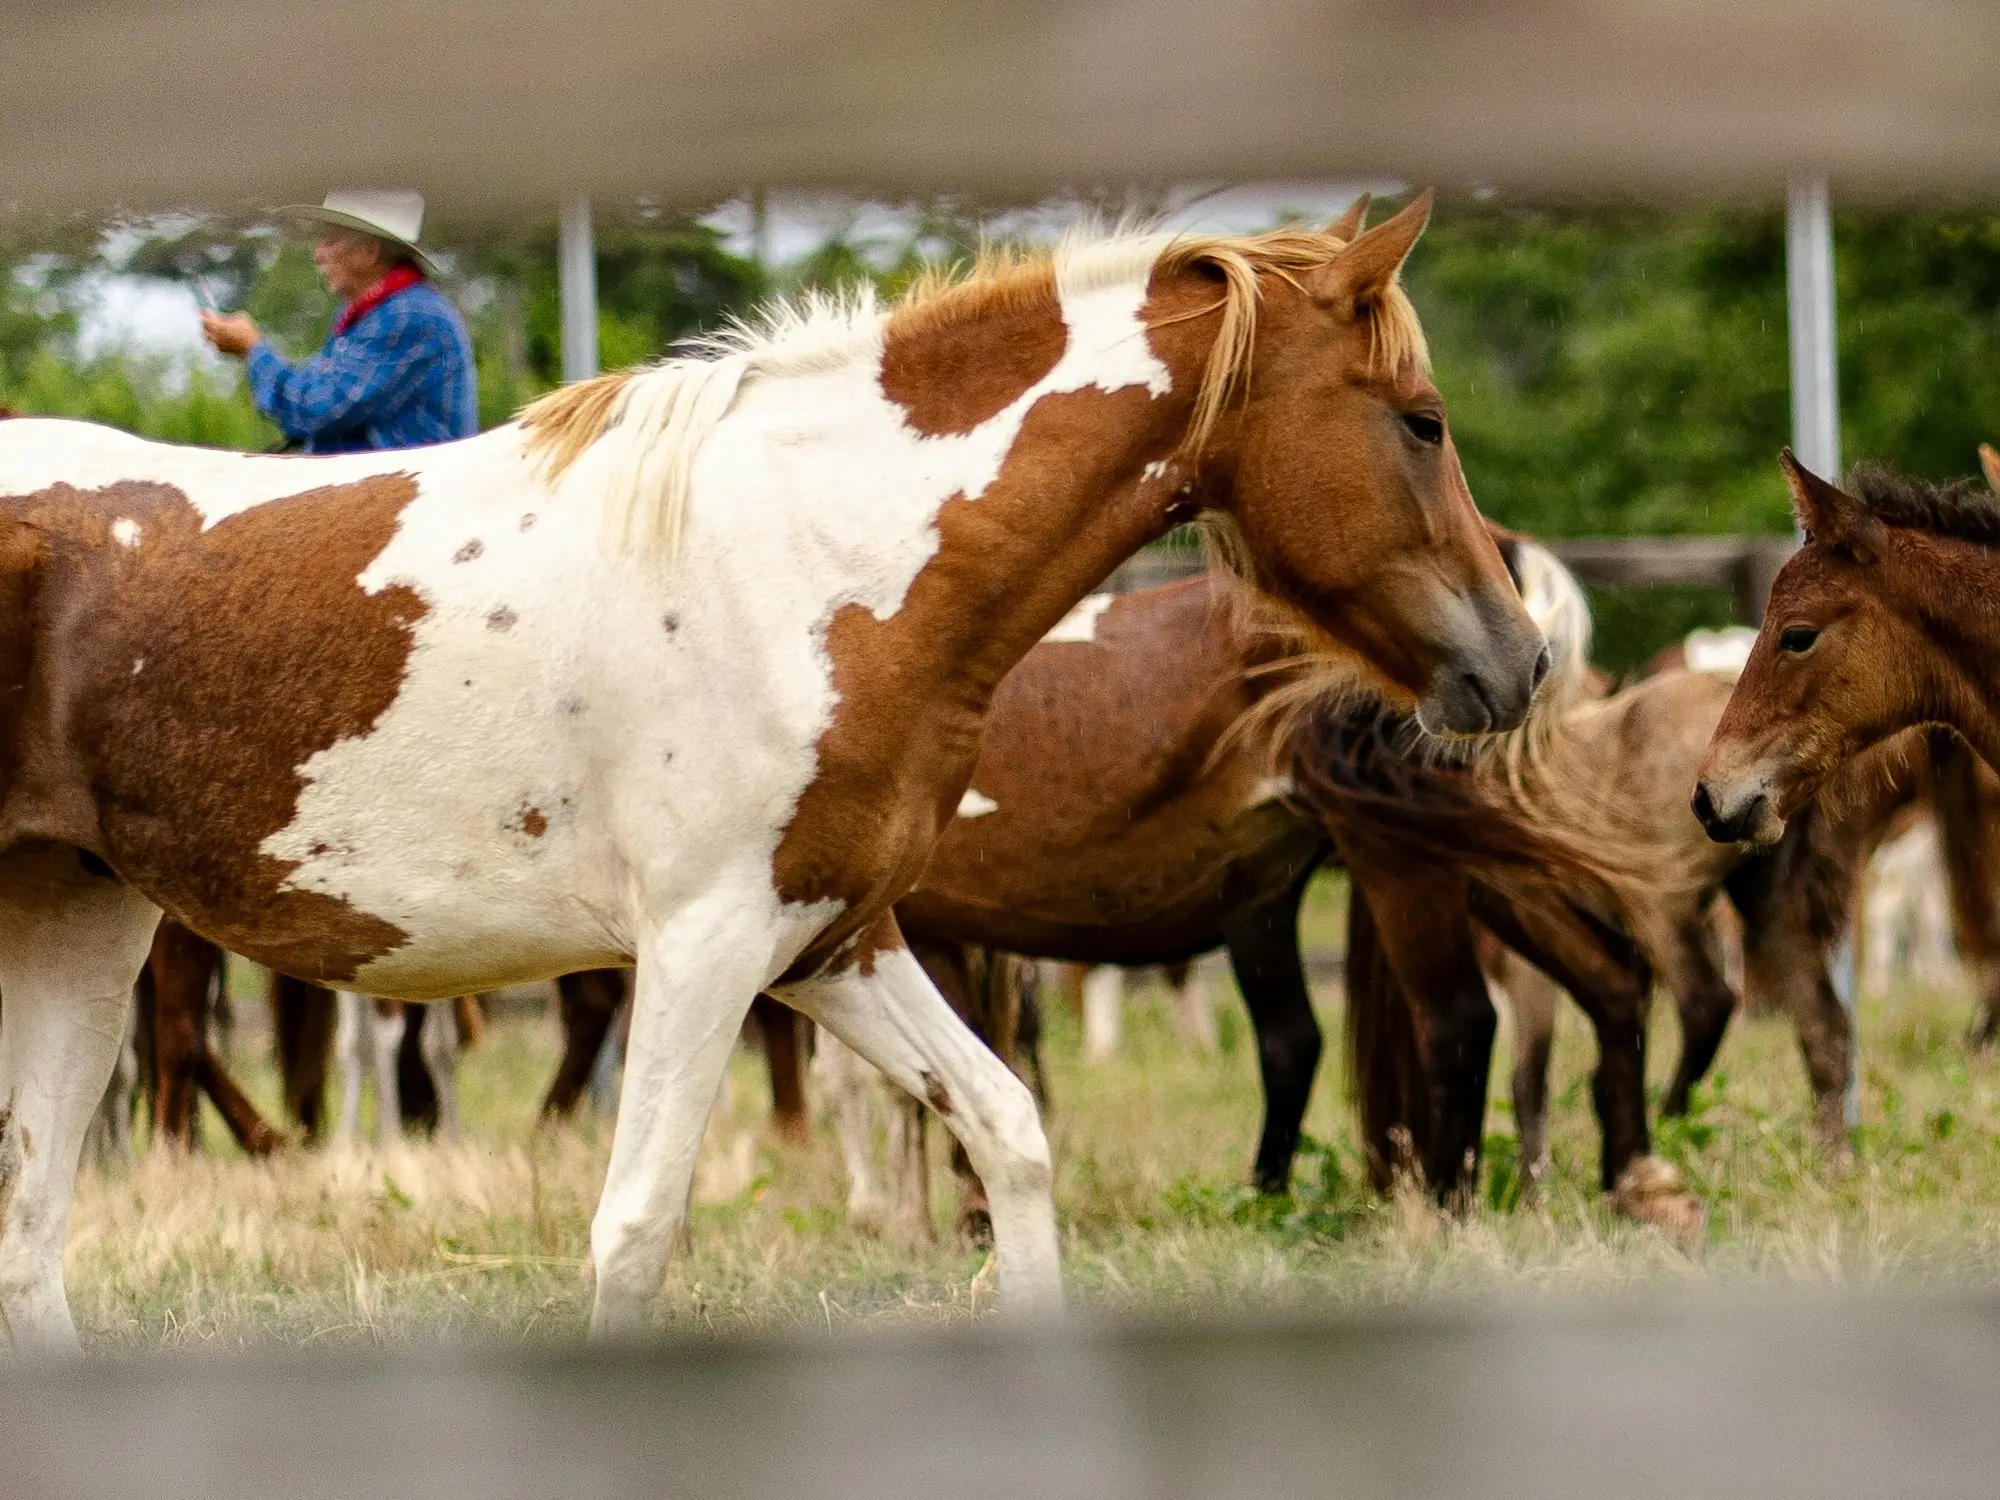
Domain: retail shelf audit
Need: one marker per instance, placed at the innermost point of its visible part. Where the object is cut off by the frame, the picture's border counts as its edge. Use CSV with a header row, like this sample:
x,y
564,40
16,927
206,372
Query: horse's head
x,y
1338,469
1844,658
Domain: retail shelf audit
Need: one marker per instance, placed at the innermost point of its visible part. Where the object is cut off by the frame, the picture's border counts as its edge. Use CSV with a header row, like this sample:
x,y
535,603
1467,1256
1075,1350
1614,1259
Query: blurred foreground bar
x,y
505,103
1816,1394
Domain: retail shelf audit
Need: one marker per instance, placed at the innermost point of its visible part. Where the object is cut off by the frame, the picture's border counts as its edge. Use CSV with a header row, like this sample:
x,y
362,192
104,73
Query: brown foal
x,y
1888,617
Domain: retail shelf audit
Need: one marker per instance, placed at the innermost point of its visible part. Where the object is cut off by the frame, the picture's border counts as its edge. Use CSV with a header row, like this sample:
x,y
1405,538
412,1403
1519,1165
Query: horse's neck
x,y
1955,596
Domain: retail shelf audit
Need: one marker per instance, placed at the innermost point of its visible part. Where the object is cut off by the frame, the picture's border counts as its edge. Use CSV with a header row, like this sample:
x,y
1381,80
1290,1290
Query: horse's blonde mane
x,y
662,413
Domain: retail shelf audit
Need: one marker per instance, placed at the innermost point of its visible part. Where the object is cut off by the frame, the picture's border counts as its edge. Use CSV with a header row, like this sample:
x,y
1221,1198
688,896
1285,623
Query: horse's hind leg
x,y
588,1002
1194,1015
439,1042
71,946
1532,999
1264,954
1421,921
782,1029
181,968
303,1020
1103,1012
896,1018
390,1018
1607,976
1706,1003
350,1039
849,1087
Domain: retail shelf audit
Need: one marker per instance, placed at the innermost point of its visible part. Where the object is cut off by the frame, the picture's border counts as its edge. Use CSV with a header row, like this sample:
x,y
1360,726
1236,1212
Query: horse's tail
x,y
1386,1075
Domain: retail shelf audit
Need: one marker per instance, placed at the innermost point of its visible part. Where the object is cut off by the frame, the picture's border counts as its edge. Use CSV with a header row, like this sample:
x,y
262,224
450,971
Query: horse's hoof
x,y
1655,1192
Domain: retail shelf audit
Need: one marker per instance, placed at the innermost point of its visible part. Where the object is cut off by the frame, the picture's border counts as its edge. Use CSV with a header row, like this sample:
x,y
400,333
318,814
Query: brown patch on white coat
x,y
200,749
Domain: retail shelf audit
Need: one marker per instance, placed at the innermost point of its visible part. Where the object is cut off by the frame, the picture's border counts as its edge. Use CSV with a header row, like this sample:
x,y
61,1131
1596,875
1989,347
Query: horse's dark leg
x,y
302,1023
1028,1035
1785,961
1706,1004
1967,806
1264,955
589,1002
245,1121
783,1033
181,968
1422,922
1608,977
416,1090
1532,997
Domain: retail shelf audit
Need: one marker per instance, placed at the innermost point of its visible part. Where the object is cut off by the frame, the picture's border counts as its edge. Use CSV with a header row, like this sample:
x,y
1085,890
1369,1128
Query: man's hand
x,y
230,333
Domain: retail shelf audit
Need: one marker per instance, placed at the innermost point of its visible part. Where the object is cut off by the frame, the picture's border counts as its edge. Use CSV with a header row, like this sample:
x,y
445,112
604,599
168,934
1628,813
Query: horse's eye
x,y
1798,639
1424,427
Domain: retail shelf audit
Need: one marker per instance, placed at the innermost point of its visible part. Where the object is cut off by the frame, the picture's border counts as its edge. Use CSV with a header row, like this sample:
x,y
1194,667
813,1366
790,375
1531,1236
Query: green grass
x,y
487,1240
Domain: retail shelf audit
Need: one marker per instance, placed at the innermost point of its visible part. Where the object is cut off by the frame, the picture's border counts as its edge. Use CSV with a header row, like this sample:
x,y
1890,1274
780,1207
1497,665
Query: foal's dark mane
x,y
1964,509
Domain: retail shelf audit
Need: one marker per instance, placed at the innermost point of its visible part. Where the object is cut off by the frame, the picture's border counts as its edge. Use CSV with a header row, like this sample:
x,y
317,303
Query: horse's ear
x,y
1348,225
1828,514
1359,275
1989,462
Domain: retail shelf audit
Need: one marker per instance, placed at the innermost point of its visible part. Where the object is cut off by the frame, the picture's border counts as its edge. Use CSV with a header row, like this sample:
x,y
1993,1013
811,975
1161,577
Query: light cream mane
x,y
658,416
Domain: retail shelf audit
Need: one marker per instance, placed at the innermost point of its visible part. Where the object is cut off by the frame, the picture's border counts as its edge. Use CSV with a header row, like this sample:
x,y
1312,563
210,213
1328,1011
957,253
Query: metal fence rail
x,y
1823,1395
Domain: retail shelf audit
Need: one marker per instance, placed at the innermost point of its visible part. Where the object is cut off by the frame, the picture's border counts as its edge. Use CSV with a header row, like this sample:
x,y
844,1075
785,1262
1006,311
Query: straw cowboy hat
x,y
392,214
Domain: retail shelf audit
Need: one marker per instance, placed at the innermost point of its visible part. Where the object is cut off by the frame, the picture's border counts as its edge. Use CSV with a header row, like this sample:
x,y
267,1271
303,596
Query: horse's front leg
x,y
696,974
895,1017
71,946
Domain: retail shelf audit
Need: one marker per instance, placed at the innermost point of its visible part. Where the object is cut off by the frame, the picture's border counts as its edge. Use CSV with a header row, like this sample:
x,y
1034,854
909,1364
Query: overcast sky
x,y
156,318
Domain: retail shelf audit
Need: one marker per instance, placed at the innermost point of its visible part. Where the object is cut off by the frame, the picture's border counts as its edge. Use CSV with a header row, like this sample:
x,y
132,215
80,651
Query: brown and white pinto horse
x,y
686,669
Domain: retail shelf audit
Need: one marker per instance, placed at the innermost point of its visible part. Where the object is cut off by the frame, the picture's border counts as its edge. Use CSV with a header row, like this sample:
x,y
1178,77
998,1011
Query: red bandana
x,y
401,279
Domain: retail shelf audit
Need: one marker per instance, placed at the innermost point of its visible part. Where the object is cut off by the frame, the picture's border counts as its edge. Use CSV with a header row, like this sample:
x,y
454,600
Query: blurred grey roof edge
x,y
156,103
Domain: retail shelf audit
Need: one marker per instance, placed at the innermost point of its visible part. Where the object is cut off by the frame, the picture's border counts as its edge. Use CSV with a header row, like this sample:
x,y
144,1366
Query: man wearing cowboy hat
x,y
396,371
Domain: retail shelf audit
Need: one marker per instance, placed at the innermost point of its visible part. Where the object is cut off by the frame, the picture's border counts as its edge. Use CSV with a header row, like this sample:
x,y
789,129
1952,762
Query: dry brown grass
x,y
486,1240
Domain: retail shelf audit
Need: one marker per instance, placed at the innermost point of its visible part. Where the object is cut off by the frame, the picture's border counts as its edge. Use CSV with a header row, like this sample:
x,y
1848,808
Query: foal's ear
x,y
1828,514
1989,461
1359,275
1348,225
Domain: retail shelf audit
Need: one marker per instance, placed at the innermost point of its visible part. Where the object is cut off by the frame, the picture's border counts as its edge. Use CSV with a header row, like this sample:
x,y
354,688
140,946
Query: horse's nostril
x,y
1479,695
1704,805
1543,661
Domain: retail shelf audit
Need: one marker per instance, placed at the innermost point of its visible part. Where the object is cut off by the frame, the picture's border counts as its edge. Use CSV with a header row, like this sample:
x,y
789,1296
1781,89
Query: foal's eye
x,y
1798,639
1424,427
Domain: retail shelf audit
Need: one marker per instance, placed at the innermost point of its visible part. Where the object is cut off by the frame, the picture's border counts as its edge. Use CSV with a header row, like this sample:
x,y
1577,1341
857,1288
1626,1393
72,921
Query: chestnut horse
x,y
346,715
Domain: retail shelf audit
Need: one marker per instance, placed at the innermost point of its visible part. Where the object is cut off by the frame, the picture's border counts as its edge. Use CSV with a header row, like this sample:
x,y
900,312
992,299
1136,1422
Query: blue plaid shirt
x,y
400,377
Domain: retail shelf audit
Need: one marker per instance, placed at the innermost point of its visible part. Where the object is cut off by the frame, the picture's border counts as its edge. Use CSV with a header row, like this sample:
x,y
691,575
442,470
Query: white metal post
x,y
576,277
1809,289
1816,441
